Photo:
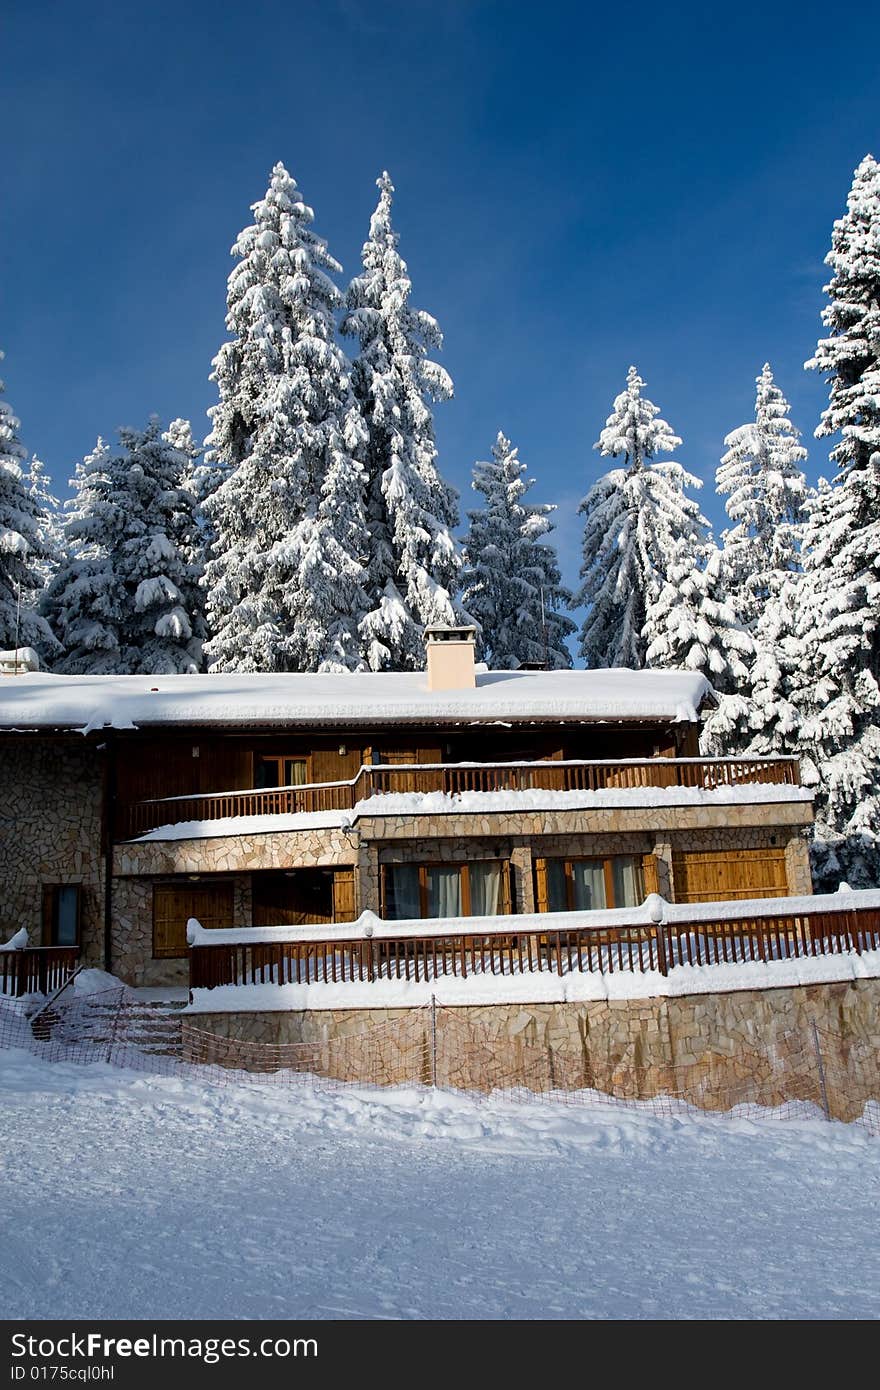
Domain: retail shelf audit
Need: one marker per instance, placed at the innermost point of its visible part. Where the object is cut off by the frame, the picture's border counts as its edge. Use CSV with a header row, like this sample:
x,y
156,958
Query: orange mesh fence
x,y
791,1075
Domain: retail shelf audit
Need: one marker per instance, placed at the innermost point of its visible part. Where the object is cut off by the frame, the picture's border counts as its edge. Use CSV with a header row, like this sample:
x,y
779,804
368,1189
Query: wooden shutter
x,y
506,893
541,898
343,895
174,904
649,873
714,877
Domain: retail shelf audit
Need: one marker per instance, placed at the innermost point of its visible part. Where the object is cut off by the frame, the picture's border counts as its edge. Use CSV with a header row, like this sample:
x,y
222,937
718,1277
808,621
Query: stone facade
x,y
52,834
54,804
132,932
229,854
522,850
715,1050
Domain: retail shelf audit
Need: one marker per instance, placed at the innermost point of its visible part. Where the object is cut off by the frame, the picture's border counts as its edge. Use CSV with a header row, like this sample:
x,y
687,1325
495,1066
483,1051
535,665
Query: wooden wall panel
x,y
700,877
173,905
294,899
329,765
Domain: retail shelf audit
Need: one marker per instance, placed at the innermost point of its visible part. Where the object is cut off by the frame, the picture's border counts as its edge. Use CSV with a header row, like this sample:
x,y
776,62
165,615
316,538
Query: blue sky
x,y
578,188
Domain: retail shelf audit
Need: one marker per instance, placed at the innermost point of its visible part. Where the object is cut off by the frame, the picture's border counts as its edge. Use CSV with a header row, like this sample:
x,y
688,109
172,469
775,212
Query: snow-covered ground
x,y
141,1197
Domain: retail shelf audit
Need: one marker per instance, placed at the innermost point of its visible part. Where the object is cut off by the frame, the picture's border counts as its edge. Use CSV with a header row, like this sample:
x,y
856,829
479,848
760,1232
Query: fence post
x,y
821,1069
433,1040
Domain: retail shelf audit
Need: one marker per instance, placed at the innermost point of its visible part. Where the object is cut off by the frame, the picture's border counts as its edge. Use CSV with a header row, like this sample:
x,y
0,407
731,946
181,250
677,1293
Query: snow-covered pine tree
x,y
842,553
163,619
637,520
762,480
50,523
285,581
511,580
414,562
24,546
690,624
127,599
84,601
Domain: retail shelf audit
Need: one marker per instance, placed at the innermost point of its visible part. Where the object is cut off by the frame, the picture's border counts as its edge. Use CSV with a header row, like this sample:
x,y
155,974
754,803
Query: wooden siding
x,y
700,877
151,766
292,899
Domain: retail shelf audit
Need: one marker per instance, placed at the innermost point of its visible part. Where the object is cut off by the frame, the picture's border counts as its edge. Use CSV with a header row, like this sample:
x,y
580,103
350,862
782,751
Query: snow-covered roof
x,y
86,703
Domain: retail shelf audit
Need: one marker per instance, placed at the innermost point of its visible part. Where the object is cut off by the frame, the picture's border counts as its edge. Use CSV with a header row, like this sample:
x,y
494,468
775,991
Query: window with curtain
x,y
403,896
585,885
629,881
485,886
278,771
445,890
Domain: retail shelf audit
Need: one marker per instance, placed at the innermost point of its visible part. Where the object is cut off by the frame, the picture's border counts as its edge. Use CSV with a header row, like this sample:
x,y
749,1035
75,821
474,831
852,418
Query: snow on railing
x,y
584,775
654,936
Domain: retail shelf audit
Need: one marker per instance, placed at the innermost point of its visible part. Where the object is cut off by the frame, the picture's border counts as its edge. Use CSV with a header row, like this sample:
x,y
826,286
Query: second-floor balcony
x,y
457,779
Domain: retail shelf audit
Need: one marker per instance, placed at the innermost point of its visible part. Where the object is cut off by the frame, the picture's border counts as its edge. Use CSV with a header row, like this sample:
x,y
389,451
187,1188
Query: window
x,y
584,885
280,771
174,904
61,912
478,889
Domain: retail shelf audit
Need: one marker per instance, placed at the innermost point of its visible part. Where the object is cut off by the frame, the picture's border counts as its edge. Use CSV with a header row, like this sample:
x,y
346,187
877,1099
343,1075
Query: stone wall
x,y
716,1050
132,932
51,833
225,854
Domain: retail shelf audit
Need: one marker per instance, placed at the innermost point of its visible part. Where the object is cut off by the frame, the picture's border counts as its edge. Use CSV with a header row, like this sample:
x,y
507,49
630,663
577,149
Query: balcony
x,y
657,937
706,774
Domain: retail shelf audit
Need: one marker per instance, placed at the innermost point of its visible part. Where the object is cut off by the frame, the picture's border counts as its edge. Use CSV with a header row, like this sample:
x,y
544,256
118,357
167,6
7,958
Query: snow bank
x,y
87,703
598,1211
98,982
17,942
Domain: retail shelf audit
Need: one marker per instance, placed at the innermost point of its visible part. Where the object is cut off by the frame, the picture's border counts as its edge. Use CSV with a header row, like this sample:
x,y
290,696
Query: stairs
x,y
152,1027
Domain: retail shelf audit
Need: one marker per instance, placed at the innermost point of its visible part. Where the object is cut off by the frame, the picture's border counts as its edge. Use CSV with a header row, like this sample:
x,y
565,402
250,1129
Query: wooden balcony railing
x,y
36,969
760,930
136,818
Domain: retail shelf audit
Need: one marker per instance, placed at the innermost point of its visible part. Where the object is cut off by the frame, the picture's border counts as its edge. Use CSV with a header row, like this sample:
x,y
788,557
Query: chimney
x,y
450,657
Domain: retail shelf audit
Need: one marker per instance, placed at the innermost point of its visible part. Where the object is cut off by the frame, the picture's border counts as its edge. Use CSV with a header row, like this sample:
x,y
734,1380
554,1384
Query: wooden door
x,y
174,903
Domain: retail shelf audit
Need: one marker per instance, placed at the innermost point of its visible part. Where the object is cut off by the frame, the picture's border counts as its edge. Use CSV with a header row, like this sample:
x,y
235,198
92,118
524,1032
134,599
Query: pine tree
x,y
639,521
126,598
49,523
761,477
24,548
411,512
512,585
691,626
286,579
84,601
842,552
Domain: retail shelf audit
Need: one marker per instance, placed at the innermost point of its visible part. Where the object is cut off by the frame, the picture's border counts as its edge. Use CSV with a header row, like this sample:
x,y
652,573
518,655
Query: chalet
x,y
132,803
